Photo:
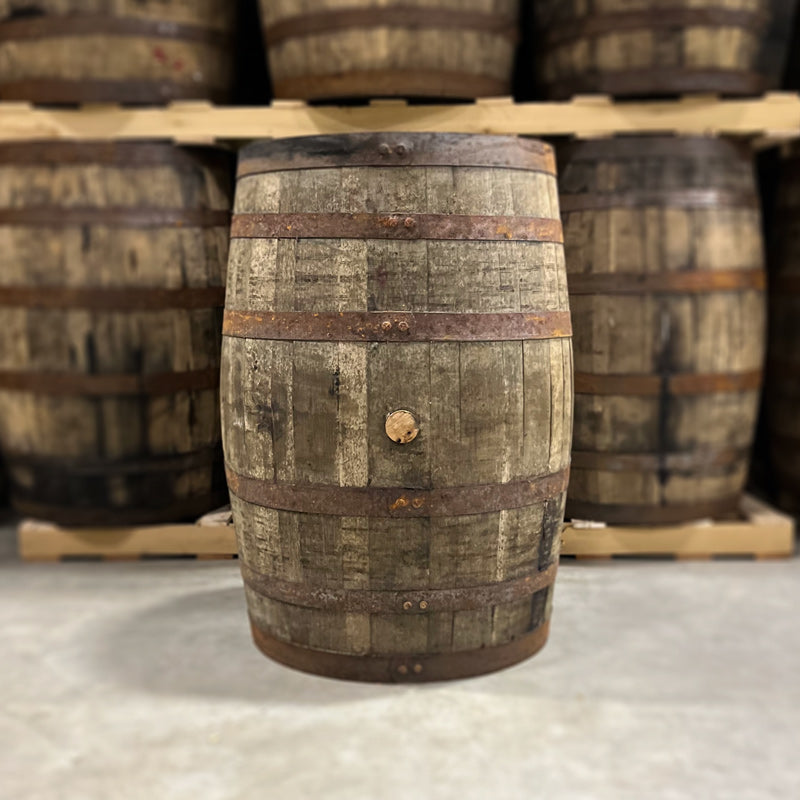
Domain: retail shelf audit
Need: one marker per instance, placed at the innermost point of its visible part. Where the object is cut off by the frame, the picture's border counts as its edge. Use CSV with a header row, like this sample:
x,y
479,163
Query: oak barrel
x,y
397,400
666,279
651,47
782,398
115,51
112,271
328,49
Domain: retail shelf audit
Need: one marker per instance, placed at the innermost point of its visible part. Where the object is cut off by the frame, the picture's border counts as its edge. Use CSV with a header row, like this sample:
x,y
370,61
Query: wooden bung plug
x,y
402,427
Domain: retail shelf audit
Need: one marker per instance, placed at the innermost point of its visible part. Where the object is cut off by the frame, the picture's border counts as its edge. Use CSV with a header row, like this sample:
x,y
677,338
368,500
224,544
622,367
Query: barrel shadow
x,y
200,645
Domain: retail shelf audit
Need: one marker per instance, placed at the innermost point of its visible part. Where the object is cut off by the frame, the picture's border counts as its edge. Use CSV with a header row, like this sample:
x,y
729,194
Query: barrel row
x,y
112,289
397,382
667,286
151,51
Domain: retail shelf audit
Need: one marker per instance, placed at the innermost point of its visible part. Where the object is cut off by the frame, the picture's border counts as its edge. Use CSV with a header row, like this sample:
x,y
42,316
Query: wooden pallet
x,y
761,533
212,537
770,119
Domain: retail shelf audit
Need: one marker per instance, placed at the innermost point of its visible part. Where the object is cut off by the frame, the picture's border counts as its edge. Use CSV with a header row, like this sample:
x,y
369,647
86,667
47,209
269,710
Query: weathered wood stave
x,y
652,49
112,291
668,308
396,49
365,566
137,52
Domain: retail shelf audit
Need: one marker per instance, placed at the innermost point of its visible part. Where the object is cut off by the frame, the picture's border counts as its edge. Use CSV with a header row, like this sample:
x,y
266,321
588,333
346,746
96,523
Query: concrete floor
x,y
661,680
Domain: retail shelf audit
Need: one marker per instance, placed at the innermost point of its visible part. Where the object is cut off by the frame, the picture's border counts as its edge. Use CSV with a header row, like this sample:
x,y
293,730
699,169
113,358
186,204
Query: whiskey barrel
x,y
652,47
666,279
397,401
112,267
782,398
430,48
126,51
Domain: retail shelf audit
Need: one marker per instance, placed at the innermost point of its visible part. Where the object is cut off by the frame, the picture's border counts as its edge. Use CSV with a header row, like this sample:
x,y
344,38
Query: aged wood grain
x,y
128,51
651,48
664,455
324,49
114,455
315,412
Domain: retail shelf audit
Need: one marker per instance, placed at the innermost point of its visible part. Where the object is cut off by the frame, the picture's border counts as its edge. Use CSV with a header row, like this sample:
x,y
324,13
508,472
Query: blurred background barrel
x,y
783,386
777,42
431,48
664,253
129,51
651,48
397,400
112,268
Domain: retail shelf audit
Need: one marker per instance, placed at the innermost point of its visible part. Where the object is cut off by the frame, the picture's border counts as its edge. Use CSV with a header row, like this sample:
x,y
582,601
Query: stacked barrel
x,y
325,49
397,400
666,278
652,48
112,273
665,258
112,280
129,51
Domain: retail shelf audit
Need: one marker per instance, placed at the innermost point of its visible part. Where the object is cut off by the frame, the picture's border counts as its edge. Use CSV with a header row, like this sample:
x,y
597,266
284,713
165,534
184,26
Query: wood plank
x,y
43,541
763,532
775,117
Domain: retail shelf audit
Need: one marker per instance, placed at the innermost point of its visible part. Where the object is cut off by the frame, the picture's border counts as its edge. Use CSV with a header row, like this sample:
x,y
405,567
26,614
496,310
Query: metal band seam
x,y
59,383
684,282
68,25
357,326
677,384
665,18
445,227
115,217
414,17
68,298
344,501
401,668
411,602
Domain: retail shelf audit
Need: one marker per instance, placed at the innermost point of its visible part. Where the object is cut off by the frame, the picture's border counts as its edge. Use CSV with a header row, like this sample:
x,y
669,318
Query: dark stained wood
x,y
777,42
782,398
330,507
651,48
321,49
129,51
109,348
668,369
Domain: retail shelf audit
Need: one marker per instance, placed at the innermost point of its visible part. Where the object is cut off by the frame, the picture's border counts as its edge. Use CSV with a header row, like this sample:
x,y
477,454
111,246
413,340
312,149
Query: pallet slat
x,y
761,533
772,118
43,541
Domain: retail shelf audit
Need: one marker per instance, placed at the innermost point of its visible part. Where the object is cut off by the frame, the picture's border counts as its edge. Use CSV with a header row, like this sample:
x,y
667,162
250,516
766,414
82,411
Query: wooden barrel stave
x,y
109,358
151,52
652,49
427,49
353,512
666,379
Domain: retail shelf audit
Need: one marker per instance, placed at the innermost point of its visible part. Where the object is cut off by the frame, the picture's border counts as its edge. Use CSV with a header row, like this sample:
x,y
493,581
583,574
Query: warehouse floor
x,y
138,680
